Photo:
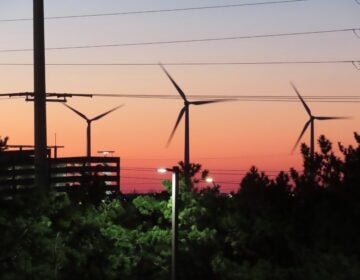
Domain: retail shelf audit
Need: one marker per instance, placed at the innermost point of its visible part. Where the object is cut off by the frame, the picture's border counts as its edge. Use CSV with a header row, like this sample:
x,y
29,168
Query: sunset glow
x,y
226,138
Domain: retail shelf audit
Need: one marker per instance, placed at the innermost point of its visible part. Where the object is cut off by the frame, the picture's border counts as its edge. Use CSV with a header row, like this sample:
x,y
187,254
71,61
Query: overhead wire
x,y
142,178
243,98
286,98
220,171
3,98
355,62
224,184
236,37
214,96
160,180
263,98
157,11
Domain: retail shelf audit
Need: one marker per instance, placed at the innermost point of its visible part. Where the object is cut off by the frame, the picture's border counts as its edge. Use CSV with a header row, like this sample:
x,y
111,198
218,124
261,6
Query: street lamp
x,y
105,153
209,180
174,217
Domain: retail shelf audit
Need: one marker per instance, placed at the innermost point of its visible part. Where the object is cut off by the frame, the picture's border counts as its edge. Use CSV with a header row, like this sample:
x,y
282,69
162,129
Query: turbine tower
x,y
89,121
185,111
310,122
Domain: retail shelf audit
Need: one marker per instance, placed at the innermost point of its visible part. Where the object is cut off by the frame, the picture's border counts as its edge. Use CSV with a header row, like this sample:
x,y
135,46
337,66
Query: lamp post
x,y
174,217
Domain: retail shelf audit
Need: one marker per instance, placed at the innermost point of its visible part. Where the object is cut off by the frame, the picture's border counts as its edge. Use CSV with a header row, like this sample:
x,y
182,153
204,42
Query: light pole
x,y
174,217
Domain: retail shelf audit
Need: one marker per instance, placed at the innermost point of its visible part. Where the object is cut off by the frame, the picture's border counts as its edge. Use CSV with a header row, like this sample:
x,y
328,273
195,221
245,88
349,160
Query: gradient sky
x,y
228,136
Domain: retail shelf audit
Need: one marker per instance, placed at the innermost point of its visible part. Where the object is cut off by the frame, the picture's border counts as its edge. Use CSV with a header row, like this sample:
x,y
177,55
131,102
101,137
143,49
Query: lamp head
x,y
163,170
209,180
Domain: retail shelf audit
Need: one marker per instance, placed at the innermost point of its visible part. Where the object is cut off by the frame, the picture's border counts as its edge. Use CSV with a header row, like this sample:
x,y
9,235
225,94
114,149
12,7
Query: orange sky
x,y
227,136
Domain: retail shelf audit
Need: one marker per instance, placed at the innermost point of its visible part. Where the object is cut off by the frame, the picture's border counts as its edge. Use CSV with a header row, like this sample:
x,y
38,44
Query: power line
x,y
250,98
215,171
156,11
144,178
274,35
213,96
155,180
240,97
224,184
195,63
263,98
159,180
211,172
153,170
4,97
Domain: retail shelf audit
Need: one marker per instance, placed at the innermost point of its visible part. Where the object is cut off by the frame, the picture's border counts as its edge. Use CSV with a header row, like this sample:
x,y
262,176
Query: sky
x,y
226,138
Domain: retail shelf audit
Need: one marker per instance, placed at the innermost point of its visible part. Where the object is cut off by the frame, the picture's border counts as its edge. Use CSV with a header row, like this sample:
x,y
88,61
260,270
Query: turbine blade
x,y
106,113
301,99
182,94
76,112
301,135
210,101
176,125
332,118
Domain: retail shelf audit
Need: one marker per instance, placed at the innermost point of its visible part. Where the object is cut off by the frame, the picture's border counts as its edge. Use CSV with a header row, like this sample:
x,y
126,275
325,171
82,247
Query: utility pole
x,y
41,164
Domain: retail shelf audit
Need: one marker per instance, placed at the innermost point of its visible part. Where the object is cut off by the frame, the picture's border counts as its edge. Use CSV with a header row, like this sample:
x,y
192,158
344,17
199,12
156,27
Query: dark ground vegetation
x,y
296,226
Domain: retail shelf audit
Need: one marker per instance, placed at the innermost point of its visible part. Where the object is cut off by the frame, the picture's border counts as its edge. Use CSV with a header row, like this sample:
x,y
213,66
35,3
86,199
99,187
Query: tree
x,y
300,225
3,143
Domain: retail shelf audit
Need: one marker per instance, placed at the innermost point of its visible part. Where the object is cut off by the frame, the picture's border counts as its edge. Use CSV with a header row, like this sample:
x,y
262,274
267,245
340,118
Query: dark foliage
x,y
295,226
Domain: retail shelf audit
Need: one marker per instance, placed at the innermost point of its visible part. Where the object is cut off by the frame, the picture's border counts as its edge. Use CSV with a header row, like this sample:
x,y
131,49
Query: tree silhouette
x,y
3,143
297,225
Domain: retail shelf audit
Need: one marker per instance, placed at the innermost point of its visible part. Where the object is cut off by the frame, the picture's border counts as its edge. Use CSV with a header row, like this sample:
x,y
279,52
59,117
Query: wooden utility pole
x,y
41,164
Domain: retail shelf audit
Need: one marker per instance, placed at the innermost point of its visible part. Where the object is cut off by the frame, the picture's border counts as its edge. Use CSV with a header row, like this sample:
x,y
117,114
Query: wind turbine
x,y
311,123
185,111
89,121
